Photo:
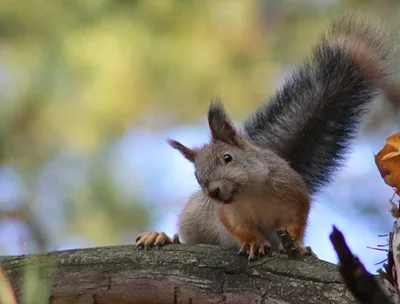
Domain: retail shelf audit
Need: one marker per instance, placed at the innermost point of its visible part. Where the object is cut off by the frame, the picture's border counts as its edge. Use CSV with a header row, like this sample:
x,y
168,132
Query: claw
x,y
153,238
256,249
251,254
265,246
244,250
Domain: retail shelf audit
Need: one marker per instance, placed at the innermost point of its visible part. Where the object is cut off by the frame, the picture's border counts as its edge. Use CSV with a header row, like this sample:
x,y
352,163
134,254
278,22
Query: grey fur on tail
x,y
312,118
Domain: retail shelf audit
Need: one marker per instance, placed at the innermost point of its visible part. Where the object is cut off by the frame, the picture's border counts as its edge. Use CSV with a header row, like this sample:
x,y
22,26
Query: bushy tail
x,y
311,120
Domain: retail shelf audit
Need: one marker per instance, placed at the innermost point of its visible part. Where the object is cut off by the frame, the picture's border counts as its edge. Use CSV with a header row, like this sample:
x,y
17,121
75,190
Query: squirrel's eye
x,y
227,158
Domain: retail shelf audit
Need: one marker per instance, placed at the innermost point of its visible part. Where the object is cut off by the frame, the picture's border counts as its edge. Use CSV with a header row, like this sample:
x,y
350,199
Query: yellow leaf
x,y
388,161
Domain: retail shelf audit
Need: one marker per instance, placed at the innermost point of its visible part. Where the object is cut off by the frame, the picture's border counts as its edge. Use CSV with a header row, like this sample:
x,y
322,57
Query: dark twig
x,y
360,282
289,246
390,264
378,249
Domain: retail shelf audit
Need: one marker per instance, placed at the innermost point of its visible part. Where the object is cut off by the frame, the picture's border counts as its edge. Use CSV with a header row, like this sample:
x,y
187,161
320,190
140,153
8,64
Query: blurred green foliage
x,y
75,75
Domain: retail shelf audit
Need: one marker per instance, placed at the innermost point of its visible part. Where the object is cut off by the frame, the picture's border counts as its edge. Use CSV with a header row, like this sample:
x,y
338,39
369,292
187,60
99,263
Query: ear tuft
x,y
221,126
188,153
216,112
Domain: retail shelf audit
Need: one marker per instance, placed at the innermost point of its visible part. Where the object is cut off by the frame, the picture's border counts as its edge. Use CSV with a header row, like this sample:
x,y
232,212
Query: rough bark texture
x,y
178,274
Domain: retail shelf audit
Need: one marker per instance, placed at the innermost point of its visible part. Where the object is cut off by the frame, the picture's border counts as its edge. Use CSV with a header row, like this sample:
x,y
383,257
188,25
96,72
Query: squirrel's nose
x,y
213,191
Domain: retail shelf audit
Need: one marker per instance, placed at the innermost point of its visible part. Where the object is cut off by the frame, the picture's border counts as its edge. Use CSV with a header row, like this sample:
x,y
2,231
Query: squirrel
x,y
261,178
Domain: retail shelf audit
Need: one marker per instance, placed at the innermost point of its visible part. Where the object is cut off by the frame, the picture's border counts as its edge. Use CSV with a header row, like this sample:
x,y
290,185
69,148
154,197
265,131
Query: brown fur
x,y
366,43
255,183
368,46
258,191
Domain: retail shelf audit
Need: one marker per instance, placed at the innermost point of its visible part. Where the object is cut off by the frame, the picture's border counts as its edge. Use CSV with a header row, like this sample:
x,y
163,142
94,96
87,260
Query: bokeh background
x,y
90,90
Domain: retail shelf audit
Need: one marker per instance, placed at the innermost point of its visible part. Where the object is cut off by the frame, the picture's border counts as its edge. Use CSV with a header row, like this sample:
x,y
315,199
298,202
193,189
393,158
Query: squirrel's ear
x,y
189,154
221,127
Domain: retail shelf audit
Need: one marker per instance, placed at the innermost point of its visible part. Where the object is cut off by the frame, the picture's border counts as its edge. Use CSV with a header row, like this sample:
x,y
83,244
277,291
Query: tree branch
x,y
178,274
361,283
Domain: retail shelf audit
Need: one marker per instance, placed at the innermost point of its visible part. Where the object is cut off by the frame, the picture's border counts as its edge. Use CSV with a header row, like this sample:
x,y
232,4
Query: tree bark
x,y
177,274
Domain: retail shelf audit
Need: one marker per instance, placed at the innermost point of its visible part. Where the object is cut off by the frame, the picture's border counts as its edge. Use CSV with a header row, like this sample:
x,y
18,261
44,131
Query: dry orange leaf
x,y
388,161
393,141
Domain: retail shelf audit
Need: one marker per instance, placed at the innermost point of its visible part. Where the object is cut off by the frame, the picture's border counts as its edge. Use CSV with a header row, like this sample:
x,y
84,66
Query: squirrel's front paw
x,y
255,249
157,239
